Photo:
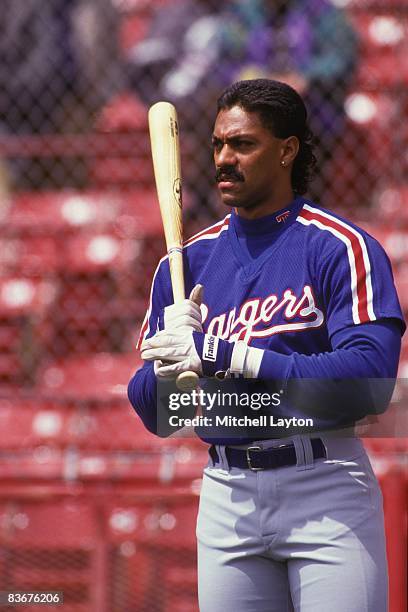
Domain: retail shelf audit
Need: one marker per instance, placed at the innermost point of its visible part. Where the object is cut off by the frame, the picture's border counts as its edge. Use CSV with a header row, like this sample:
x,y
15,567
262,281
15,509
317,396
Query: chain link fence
x,y
90,503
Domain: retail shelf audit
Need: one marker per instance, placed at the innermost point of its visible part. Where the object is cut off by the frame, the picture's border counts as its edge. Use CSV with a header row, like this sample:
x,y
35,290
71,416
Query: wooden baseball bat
x,y
165,145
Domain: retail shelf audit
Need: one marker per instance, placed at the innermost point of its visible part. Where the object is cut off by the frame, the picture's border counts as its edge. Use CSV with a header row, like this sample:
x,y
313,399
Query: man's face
x,y
248,160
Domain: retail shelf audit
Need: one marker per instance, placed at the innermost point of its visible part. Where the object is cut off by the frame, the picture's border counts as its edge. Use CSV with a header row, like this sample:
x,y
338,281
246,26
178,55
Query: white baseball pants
x,y
308,538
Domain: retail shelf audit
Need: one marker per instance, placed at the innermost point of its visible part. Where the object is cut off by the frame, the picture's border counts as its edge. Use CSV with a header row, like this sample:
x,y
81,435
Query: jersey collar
x,y
276,222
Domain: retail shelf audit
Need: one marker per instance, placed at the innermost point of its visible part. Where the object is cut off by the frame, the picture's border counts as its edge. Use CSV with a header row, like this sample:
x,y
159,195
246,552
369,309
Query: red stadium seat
x,y
61,211
393,480
166,575
152,466
370,145
31,424
401,281
25,304
372,111
69,524
183,604
380,32
375,132
396,245
386,447
102,288
103,251
138,522
177,525
29,256
98,378
404,351
394,241
121,172
370,5
391,208
54,546
124,115
21,296
110,426
383,61
44,464
383,72
140,215
140,470
56,215
159,522
101,419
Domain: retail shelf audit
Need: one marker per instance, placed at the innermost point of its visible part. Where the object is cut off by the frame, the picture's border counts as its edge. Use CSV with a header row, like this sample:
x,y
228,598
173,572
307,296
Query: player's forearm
x,y
365,351
356,379
341,378
142,394
368,350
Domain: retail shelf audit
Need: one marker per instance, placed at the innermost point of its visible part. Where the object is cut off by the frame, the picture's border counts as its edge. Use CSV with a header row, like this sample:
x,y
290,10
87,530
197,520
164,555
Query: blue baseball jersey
x,y
295,283
318,274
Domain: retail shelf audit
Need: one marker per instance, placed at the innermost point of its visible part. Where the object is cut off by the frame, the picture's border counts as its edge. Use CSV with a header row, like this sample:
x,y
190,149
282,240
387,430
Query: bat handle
x,y
187,381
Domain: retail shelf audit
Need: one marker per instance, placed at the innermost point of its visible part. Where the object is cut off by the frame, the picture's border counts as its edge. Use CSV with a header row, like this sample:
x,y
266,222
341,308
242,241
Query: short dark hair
x,y
282,111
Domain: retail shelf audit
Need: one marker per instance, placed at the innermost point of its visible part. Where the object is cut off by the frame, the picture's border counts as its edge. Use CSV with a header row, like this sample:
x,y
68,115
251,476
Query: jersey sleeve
x,y
161,295
357,284
142,388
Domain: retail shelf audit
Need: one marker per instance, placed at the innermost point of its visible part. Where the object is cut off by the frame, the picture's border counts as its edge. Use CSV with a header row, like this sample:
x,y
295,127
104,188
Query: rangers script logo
x,y
250,319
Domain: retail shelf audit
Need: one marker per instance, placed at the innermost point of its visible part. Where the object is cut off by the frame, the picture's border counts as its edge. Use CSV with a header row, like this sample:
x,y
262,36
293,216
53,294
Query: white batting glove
x,y
207,355
186,314
173,352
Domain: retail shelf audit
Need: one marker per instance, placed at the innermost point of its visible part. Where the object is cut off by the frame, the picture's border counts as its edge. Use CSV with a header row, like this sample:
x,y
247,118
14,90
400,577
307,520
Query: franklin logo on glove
x,y
210,348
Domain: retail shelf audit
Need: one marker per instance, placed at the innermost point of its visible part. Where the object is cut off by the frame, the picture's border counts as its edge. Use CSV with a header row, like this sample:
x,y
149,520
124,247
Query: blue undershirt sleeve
x,y
359,372
142,394
366,351
369,350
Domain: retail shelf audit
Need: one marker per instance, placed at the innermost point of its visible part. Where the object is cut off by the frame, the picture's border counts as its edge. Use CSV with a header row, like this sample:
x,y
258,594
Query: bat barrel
x,y
164,138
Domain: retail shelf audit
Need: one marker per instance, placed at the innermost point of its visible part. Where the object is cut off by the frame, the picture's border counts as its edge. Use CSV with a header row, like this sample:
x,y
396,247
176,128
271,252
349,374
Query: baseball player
x,y
280,289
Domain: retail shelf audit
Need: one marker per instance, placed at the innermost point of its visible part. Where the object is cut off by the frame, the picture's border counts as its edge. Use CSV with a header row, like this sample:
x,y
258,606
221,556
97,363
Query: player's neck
x,y
276,202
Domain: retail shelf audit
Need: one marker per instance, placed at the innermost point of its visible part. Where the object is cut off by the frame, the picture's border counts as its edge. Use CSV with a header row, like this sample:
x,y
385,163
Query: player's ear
x,y
289,150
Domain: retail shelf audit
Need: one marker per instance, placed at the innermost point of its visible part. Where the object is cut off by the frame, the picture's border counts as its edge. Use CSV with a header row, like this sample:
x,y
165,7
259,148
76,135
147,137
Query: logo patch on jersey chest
x,y
283,216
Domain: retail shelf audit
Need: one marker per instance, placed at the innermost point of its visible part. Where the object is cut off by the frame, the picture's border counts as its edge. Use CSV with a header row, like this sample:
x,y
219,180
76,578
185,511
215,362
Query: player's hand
x,y
181,350
173,352
186,314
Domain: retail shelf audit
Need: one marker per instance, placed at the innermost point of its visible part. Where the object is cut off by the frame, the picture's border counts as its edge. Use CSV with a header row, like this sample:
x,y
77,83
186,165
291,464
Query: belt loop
x,y
212,452
308,453
300,453
224,465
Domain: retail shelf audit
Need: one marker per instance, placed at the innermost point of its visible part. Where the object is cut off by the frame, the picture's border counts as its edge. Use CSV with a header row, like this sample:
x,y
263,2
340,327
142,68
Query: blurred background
x,y
90,503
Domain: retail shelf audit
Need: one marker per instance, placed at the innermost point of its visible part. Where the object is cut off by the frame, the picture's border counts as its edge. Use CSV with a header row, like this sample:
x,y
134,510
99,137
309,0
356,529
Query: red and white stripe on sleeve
x,y
145,329
360,268
210,232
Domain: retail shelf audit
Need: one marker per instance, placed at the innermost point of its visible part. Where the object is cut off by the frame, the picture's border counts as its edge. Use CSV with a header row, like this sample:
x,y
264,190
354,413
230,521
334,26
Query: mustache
x,y
228,173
